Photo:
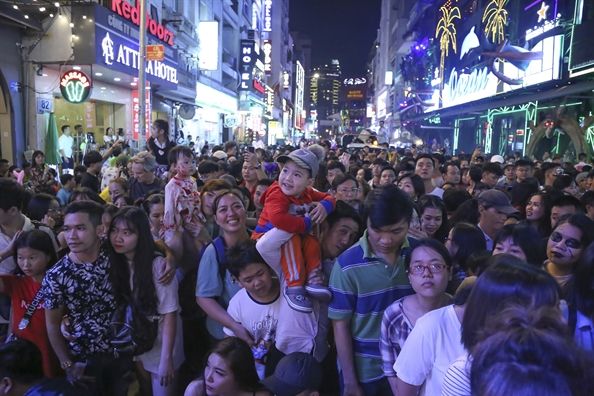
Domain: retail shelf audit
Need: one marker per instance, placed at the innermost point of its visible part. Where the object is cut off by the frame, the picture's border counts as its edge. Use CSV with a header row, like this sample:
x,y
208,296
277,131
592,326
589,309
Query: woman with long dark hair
x,y
434,217
229,370
135,265
44,208
521,241
412,185
38,174
538,213
463,240
521,193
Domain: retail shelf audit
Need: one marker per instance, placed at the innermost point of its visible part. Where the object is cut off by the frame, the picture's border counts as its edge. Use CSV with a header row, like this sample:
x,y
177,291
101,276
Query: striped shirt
x,y
364,285
457,379
395,330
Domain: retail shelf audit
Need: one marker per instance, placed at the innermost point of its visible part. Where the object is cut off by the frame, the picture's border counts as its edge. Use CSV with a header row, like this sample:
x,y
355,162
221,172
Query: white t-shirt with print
x,y
260,319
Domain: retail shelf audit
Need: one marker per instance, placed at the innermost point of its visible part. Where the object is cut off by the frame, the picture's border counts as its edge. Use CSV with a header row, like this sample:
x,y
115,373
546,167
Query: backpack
x,y
131,331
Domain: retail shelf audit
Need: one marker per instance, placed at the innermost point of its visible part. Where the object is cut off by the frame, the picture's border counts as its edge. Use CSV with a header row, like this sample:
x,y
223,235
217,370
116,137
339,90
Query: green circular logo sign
x,y
75,86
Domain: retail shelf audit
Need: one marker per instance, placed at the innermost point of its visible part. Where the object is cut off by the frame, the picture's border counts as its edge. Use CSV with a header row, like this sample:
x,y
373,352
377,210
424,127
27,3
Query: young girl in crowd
x,y
429,268
434,217
154,207
34,254
229,370
135,265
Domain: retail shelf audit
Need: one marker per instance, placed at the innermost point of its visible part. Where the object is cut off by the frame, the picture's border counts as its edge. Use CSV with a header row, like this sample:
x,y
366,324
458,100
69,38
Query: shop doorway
x,y
6,121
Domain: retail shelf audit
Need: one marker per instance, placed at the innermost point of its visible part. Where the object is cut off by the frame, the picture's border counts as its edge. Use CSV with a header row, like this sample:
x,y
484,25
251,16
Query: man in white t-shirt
x,y
65,143
257,306
425,167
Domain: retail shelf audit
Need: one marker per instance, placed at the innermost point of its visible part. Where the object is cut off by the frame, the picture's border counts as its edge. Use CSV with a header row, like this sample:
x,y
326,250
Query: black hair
x,y
405,167
568,200
78,169
438,157
563,181
246,195
38,240
85,194
21,361
478,262
444,167
344,211
469,239
581,221
175,152
527,238
65,178
36,153
242,254
127,199
154,199
207,167
421,156
389,168
508,281
92,157
475,173
529,352
265,182
454,197
492,167
39,205
524,162
587,199
162,125
91,208
12,194
342,178
544,223
215,204
143,294
4,161
416,182
580,288
336,165
523,190
387,205
432,201
229,145
466,213
432,244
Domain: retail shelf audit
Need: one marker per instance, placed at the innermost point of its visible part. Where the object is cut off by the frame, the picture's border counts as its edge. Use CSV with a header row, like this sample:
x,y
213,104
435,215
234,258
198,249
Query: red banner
x,y
136,113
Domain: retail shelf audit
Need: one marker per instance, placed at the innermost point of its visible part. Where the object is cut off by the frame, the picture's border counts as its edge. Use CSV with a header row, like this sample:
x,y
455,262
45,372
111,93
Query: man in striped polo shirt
x,y
365,280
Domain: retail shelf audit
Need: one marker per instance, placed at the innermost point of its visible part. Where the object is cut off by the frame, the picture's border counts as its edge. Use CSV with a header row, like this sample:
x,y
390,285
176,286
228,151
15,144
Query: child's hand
x,y
318,214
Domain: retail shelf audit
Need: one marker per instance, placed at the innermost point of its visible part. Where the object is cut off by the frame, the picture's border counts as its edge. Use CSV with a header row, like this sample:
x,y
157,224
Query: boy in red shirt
x,y
293,206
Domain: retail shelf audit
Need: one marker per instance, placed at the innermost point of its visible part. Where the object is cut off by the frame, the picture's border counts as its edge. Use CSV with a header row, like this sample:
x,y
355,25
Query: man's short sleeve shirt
x,y
85,291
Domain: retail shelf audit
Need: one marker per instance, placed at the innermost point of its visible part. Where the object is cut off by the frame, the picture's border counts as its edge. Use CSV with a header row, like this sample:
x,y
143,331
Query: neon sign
x,y
75,86
267,49
129,57
246,64
125,10
354,81
267,16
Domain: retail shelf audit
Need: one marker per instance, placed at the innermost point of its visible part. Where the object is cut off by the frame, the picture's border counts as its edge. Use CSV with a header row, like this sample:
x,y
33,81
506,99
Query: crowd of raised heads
x,y
309,270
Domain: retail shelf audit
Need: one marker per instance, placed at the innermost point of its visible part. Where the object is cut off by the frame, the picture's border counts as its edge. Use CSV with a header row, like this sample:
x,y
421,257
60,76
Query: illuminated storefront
x,y
503,85
99,89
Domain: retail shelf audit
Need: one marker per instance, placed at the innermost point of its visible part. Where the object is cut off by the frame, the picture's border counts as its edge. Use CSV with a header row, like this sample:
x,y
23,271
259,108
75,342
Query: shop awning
x,y
510,99
177,99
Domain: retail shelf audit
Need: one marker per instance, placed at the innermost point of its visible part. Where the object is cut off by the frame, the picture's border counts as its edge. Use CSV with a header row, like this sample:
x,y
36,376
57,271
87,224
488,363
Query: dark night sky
x,y
339,29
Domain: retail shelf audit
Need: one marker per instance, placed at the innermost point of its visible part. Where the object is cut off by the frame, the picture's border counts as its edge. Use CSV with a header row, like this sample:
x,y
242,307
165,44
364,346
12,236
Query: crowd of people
x,y
313,270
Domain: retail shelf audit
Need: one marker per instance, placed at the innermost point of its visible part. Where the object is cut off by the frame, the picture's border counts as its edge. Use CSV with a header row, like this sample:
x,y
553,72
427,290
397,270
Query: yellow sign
x,y
155,52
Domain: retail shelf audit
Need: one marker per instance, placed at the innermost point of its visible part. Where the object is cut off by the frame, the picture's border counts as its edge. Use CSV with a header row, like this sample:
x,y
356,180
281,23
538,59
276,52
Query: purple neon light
x,y
532,5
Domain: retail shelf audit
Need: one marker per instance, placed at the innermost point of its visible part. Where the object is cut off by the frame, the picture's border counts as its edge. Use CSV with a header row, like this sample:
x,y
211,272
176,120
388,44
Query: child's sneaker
x,y
319,292
297,300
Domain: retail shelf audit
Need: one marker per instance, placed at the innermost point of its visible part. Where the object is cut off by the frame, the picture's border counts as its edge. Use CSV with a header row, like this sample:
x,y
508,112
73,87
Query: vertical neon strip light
x,y
456,134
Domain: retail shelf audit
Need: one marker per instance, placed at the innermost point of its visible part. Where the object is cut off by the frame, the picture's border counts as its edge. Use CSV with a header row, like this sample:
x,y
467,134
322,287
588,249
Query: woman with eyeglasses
x,y
566,245
429,268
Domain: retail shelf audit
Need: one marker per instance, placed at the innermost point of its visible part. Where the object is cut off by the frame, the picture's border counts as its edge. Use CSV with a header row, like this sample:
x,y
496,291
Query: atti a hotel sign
x,y
112,38
513,67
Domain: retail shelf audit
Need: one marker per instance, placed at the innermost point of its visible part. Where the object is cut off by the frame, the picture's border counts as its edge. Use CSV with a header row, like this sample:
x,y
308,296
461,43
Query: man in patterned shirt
x,y
365,280
79,285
